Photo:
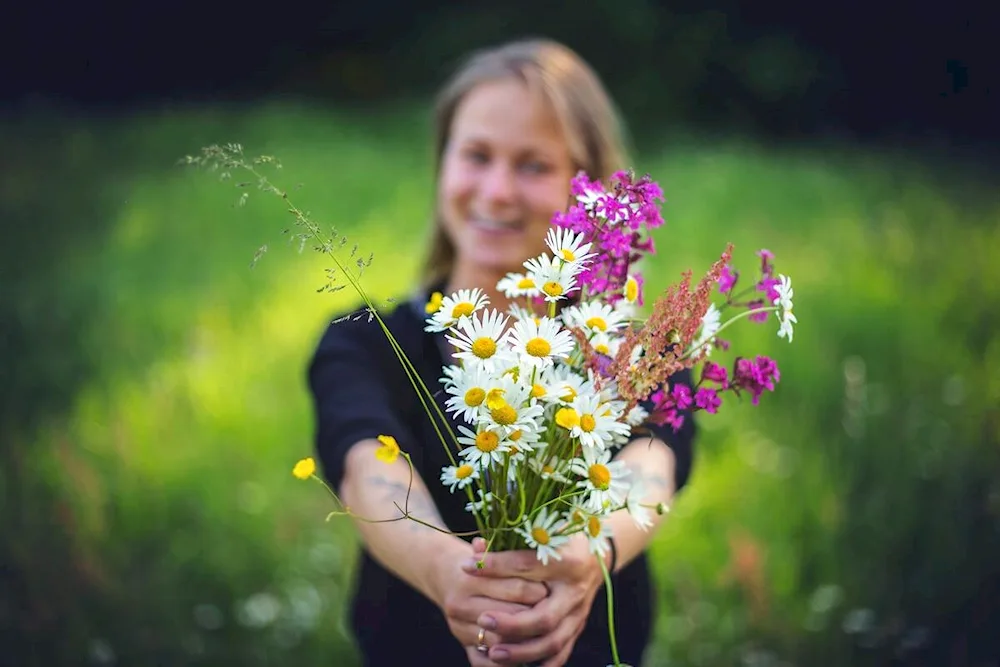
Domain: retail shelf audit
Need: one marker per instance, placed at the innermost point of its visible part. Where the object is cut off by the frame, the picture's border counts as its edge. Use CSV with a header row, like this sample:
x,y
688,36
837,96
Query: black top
x,y
361,391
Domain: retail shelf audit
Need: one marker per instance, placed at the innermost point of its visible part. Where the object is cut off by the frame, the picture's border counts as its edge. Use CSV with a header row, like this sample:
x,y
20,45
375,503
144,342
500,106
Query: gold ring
x,y
481,642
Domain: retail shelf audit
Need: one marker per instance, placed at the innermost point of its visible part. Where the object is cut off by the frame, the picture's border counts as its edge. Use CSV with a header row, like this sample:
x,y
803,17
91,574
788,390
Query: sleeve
x,y
351,386
682,441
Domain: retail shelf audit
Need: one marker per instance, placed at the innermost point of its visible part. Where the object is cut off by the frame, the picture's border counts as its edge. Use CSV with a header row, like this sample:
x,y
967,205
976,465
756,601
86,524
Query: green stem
x,y
611,611
728,322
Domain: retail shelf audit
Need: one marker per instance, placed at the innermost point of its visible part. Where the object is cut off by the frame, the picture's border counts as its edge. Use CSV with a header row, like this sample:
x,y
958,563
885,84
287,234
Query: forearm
x,y
652,462
375,490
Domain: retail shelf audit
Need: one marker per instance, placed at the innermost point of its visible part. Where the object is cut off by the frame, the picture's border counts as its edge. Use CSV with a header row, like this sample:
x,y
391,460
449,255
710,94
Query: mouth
x,y
492,225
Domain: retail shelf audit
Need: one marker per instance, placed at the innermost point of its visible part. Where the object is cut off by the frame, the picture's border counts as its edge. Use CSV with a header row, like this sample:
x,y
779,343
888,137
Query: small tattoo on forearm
x,y
419,505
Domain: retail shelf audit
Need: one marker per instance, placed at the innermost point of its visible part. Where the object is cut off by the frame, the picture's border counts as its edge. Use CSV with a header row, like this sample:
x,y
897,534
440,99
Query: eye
x,y
535,167
475,156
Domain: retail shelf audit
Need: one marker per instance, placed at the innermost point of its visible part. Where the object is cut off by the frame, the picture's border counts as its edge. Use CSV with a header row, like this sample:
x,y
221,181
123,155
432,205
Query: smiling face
x,y
505,171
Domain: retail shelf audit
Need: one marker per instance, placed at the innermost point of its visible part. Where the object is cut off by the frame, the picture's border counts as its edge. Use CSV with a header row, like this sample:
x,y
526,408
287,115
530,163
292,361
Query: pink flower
x,y
708,400
727,280
713,372
756,376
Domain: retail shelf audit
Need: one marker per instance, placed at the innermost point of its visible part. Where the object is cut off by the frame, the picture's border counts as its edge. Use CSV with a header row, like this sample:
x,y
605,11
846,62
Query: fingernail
x,y
488,623
499,654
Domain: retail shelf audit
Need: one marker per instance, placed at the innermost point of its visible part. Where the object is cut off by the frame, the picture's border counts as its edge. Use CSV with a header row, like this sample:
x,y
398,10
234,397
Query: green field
x,y
155,516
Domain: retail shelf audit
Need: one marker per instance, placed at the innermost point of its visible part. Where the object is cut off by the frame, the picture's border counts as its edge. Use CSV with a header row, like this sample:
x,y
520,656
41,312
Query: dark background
x,y
888,70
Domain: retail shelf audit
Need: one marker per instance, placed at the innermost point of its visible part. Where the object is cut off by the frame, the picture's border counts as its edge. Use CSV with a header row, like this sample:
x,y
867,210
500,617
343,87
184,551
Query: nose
x,y
499,186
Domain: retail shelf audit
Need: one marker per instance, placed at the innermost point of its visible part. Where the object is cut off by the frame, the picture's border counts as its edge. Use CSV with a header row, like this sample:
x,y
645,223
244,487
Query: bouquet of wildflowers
x,y
549,389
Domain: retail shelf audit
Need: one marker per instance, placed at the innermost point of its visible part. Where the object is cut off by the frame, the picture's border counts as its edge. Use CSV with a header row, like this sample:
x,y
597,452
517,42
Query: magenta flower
x,y
727,280
756,376
708,400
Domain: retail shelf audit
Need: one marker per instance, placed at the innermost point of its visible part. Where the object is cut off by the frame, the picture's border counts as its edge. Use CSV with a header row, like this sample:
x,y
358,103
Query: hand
x,y
547,631
465,598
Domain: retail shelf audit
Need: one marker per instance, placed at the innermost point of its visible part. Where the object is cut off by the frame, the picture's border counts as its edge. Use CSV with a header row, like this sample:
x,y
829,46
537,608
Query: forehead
x,y
509,114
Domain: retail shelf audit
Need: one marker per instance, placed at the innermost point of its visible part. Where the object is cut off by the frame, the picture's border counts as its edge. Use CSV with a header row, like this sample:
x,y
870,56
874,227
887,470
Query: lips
x,y
491,225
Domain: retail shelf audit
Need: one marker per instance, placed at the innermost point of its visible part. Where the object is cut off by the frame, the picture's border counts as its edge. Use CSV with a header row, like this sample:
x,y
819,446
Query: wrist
x,y
446,557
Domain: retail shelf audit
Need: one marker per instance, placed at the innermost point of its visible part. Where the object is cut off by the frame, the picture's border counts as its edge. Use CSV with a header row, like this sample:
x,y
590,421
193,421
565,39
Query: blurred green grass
x,y
157,518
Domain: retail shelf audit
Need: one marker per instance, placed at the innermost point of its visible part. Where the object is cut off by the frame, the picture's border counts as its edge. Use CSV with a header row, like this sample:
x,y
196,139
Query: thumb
x,y
478,546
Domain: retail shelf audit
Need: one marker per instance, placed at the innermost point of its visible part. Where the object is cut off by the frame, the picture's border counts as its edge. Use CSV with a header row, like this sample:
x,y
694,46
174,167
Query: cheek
x,y
548,198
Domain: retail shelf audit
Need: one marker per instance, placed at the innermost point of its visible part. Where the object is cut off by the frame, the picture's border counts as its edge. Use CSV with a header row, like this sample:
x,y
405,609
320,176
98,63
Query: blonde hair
x,y
573,90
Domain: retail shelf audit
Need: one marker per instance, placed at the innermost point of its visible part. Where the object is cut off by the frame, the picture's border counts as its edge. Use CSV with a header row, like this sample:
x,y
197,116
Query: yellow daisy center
x,y
516,435
569,395
587,423
484,347
631,289
463,471
538,347
537,391
599,476
577,516
462,309
487,441
568,255
597,323
541,535
594,526
552,288
474,397
567,418
602,348
505,415
526,283
494,399
547,469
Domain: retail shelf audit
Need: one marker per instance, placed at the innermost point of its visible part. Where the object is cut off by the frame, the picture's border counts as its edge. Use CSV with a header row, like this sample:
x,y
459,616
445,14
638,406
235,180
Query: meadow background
x,y
154,395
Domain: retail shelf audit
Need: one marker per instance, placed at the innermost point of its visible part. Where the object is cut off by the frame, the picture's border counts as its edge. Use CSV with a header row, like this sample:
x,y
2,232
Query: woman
x,y
514,125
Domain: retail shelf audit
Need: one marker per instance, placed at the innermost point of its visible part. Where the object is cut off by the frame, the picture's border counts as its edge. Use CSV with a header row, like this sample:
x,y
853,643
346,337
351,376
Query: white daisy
x,y
566,384
454,307
633,503
594,317
468,389
508,407
551,468
568,246
483,447
460,476
540,535
597,533
481,341
554,277
517,284
784,302
593,423
710,323
637,415
484,502
538,345
631,291
603,479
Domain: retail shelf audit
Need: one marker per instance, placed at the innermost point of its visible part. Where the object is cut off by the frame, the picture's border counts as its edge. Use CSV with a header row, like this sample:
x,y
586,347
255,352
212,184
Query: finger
x,y
513,589
477,659
478,546
538,621
522,563
551,646
471,608
469,636
562,657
